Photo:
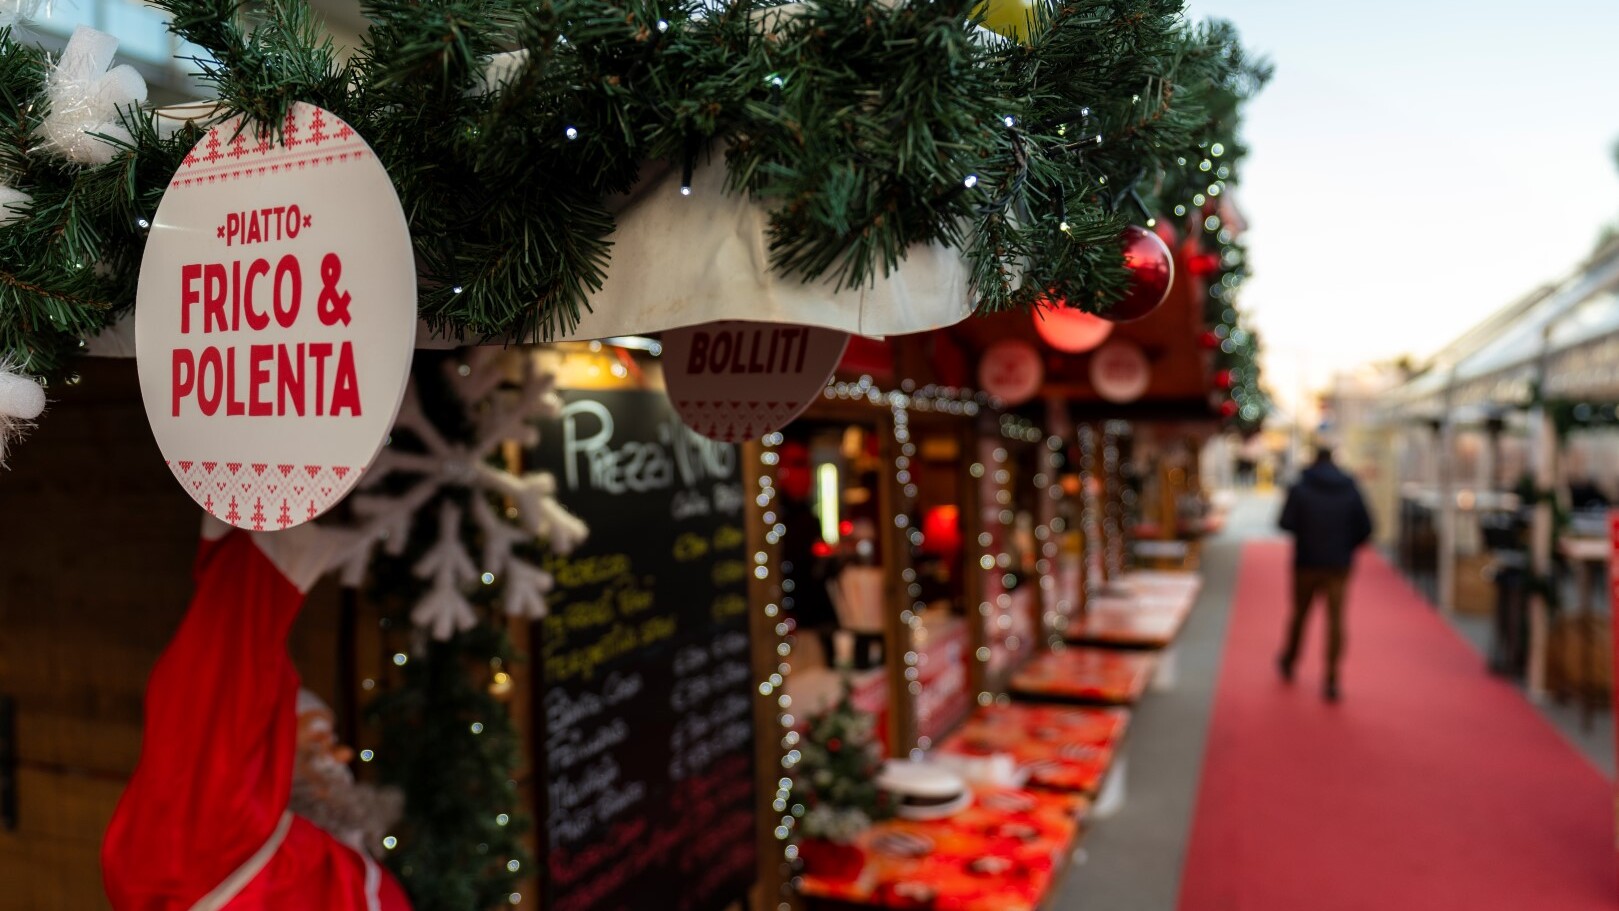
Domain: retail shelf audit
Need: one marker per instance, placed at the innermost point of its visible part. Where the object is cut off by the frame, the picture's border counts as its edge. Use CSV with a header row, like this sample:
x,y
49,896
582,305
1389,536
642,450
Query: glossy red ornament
x,y
1067,329
1224,379
1152,270
1209,341
1228,409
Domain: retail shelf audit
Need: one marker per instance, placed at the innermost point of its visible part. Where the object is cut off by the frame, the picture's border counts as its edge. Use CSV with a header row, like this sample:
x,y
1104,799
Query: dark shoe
x,y
1329,691
1285,668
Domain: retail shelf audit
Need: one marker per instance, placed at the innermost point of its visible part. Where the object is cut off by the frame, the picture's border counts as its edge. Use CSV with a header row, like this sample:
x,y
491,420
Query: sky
x,y
1415,166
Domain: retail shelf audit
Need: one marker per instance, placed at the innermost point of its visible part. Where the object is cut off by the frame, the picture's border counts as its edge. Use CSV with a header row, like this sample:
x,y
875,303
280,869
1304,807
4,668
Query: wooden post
x,y
1541,532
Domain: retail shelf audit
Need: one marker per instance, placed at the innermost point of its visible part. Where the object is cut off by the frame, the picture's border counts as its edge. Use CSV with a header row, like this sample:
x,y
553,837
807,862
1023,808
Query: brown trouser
x,y
1308,582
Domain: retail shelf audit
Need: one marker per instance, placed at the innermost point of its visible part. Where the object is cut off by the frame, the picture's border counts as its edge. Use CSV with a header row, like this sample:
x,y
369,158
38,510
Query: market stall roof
x,y
1494,363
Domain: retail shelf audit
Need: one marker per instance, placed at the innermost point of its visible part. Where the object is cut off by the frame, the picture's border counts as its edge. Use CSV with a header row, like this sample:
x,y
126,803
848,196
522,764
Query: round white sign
x,y
275,318
733,381
1011,370
1120,371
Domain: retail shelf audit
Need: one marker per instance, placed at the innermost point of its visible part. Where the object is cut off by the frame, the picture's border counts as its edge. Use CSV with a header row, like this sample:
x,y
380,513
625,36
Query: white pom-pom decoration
x,y
86,99
13,204
21,400
11,11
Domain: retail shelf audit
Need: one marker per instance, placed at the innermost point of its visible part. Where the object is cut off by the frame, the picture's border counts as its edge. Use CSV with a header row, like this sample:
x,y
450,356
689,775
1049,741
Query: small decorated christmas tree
x,y
838,774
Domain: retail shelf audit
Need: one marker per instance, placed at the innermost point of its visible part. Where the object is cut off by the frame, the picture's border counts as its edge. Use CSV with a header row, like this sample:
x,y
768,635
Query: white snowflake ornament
x,y
387,520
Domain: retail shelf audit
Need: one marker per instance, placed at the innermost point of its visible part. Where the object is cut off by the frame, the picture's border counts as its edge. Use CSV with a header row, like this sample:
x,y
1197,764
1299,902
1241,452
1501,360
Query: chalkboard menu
x,y
646,731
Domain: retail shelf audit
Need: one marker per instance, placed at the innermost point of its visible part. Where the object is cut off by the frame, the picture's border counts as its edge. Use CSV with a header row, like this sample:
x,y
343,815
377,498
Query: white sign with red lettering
x,y
733,381
275,318
1120,371
1011,370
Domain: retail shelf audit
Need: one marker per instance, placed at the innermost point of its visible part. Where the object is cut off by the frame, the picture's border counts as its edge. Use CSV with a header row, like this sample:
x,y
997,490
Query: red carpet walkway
x,y
1431,786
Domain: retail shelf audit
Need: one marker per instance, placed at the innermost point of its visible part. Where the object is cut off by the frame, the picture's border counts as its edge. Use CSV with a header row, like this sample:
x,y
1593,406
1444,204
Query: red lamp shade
x,y
941,531
794,475
1069,330
1203,265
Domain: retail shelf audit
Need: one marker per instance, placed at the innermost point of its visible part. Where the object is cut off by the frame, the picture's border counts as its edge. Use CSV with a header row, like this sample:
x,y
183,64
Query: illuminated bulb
x,y
571,133
971,181
685,190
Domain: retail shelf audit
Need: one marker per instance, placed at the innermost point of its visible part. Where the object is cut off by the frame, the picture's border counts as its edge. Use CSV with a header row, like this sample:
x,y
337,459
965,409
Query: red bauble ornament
x,y
1067,329
1224,379
1209,341
1152,270
1228,408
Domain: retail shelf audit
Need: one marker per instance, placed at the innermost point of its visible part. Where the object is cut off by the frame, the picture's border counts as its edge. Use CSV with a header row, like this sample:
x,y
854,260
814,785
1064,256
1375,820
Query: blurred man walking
x,y
1327,517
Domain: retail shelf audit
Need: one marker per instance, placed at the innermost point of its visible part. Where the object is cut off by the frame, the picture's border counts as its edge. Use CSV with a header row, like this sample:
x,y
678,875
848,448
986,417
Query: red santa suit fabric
x,y
204,823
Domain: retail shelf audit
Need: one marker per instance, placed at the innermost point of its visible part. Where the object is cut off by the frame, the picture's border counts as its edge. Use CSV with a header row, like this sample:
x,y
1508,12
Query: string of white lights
x,y
775,684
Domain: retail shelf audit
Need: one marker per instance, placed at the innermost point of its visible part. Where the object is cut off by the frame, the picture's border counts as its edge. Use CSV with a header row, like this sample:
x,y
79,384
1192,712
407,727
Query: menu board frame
x,y
722,653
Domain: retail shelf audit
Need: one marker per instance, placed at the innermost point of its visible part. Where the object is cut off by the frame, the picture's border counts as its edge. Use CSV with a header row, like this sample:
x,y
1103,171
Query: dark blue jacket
x,y
1327,516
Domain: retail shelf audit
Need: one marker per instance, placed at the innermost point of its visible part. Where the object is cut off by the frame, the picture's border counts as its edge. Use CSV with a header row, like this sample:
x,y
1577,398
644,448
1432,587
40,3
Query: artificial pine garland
x,y
508,127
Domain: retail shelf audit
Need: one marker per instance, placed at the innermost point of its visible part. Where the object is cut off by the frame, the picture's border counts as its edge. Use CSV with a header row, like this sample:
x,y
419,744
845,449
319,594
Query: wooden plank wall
x,y
95,562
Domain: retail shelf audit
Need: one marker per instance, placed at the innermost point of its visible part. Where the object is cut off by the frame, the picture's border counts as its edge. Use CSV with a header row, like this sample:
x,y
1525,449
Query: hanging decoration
x,y
1007,18
21,401
1152,271
736,381
274,328
1011,370
88,99
397,494
1068,329
1120,371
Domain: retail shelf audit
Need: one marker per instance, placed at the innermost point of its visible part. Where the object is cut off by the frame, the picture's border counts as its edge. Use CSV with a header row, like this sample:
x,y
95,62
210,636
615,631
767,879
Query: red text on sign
x,y
266,225
775,350
313,378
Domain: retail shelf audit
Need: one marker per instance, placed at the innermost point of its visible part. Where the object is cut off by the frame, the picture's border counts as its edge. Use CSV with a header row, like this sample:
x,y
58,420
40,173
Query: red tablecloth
x,y
1086,674
1144,621
1000,854
1062,748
